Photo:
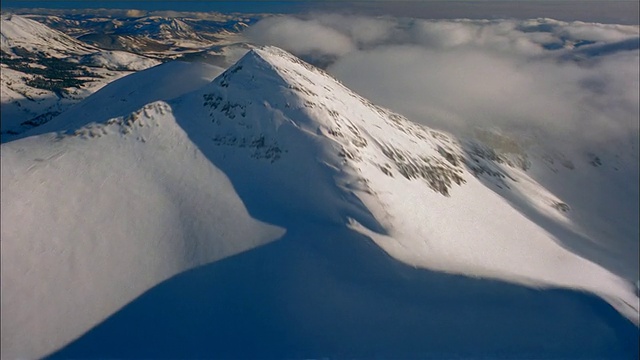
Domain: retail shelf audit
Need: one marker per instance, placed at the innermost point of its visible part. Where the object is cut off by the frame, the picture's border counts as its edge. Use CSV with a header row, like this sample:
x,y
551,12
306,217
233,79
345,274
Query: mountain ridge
x,y
288,145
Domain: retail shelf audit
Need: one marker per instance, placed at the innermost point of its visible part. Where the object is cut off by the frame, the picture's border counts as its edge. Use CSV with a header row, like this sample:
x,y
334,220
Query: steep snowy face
x,y
423,196
361,132
276,107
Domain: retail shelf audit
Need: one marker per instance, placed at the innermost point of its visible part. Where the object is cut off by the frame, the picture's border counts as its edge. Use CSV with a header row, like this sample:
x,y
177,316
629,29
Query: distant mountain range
x,y
51,62
149,34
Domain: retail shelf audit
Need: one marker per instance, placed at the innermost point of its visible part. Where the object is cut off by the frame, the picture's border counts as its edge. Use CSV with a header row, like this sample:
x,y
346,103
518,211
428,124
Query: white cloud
x,y
443,34
300,37
135,13
364,31
518,75
597,32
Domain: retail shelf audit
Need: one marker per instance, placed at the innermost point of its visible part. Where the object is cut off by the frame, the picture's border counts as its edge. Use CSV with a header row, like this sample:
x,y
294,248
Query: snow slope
x,y
32,36
600,183
296,147
118,60
89,222
103,185
327,292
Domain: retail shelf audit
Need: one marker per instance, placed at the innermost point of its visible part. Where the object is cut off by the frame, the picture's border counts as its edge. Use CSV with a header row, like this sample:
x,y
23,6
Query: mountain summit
x,y
425,197
102,210
275,109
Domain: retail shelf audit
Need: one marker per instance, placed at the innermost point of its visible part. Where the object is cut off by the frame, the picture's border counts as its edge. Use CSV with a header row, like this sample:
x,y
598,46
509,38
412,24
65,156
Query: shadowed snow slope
x,y
146,198
324,291
89,222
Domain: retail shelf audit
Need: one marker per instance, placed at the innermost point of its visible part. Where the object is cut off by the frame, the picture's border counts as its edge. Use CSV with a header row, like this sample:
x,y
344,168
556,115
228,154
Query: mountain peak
x,y
274,58
321,150
269,88
273,54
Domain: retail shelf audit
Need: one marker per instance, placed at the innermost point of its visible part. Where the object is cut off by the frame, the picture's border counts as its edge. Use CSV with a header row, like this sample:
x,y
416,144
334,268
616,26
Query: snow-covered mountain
x,y
20,35
44,72
382,165
102,208
140,24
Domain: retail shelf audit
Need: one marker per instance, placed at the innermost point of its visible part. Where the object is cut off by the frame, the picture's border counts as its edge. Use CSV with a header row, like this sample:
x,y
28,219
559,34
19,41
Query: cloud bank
x,y
574,82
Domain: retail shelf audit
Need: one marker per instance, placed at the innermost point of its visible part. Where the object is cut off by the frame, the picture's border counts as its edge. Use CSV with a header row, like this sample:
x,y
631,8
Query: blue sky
x,y
606,11
193,5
